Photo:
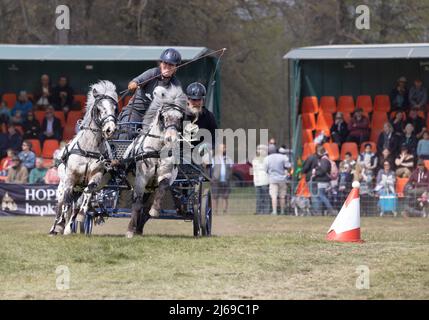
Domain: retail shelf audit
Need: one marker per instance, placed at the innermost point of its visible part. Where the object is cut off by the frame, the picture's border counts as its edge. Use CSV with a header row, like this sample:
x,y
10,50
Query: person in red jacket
x,y
358,127
417,184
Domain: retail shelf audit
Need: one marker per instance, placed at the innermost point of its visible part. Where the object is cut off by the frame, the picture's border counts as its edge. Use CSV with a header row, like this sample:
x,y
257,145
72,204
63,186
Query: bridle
x,y
166,108
95,114
142,154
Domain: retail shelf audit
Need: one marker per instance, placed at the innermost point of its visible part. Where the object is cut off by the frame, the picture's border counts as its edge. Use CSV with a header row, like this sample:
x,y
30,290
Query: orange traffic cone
x,y
346,227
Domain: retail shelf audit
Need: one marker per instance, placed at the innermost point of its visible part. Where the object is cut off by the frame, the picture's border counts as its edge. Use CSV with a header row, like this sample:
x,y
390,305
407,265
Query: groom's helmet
x,y
196,91
171,56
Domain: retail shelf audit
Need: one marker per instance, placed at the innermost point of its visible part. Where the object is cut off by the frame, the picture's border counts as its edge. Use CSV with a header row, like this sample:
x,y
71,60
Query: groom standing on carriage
x,y
145,84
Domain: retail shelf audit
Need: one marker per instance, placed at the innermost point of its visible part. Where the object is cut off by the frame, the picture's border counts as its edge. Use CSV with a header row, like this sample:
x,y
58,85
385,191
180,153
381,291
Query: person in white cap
x,y
277,166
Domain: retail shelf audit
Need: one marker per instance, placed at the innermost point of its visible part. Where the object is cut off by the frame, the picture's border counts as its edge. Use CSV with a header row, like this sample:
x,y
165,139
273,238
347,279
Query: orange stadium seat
x,y
346,104
382,103
364,102
68,132
49,146
308,150
400,186
73,117
308,121
61,117
307,136
328,104
37,149
39,115
347,117
332,150
349,147
324,121
373,146
310,105
10,99
47,163
379,118
81,98
375,132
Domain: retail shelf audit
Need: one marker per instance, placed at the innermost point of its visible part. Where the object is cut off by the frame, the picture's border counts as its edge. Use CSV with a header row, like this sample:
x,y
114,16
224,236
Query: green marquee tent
x,y
22,65
349,70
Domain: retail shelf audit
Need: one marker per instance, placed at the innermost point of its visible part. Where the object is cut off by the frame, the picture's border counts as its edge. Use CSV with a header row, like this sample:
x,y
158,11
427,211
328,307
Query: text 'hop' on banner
x,y
27,199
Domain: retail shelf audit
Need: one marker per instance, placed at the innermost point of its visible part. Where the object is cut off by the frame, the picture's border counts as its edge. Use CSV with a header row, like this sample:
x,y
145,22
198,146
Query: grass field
x,y
250,257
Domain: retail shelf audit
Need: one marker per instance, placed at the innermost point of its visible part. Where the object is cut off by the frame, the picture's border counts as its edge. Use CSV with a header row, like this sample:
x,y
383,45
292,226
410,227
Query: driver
x,y
164,75
198,113
204,119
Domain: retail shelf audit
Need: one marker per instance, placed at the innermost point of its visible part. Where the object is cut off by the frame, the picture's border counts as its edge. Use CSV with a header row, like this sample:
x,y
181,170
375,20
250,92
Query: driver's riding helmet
x,y
196,91
171,56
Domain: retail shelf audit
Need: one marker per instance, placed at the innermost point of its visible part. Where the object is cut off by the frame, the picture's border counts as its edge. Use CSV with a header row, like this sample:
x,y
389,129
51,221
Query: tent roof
x,y
92,52
348,52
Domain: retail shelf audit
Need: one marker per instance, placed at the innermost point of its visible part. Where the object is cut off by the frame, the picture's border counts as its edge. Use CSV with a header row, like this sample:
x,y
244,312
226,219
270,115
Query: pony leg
x,y
143,175
79,215
144,215
165,174
136,210
63,211
159,195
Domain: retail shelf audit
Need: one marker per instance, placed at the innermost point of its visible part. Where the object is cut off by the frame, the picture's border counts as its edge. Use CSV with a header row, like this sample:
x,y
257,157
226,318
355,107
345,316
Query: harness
x,y
76,148
143,155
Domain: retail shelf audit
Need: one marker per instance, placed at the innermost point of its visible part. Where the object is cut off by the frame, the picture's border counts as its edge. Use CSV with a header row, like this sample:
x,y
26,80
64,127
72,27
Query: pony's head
x,y
102,107
170,105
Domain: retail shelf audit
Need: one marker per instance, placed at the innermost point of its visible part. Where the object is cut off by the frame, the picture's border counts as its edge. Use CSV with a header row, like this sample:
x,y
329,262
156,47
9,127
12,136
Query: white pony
x,y
152,149
82,168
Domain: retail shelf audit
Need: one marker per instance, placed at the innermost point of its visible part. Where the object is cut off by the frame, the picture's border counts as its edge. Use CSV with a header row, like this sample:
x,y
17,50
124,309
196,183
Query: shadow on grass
x,y
120,236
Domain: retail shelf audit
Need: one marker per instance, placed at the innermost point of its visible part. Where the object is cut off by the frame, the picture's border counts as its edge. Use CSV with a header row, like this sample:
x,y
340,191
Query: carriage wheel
x,y
88,224
197,216
84,227
197,199
206,213
78,227
197,226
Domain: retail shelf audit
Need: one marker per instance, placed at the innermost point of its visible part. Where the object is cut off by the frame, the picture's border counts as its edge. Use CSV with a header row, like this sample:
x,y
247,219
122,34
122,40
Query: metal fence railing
x,y
243,198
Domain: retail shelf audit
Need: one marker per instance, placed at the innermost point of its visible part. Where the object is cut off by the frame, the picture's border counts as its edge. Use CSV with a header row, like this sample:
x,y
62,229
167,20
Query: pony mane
x,y
103,87
162,96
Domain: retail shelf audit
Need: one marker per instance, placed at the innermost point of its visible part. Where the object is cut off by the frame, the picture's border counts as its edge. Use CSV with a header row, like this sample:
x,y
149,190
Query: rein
x,y
222,51
99,123
143,155
94,116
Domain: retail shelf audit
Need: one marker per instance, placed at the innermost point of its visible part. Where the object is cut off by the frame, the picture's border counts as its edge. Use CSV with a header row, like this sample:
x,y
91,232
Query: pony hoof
x,y
154,213
129,235
58,230
67,231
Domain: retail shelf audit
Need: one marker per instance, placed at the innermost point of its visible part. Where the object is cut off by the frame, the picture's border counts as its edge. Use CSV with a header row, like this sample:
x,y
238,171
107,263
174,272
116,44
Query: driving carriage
x,y
190,192
98,170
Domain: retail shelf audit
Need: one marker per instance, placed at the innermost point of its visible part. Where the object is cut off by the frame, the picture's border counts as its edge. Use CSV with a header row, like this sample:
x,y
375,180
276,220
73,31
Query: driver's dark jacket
x,y
140,102
144,95
206,120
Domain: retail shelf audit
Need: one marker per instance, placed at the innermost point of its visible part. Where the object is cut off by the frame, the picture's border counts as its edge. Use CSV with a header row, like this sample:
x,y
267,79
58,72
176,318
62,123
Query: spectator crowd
x,y
20,130
398,156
